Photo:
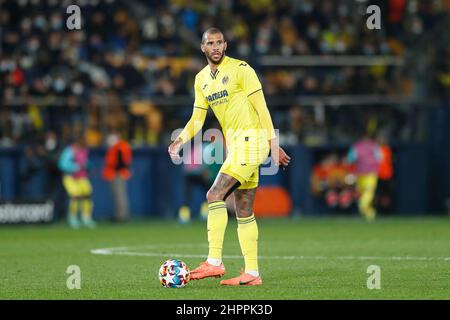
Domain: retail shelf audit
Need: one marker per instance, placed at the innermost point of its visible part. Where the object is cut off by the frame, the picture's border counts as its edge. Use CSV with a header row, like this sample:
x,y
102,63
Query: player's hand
x,y
279,156
284,159
174,149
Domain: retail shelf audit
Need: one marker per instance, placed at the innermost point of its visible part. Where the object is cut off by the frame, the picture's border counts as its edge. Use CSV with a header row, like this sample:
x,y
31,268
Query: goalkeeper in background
x,y
231,88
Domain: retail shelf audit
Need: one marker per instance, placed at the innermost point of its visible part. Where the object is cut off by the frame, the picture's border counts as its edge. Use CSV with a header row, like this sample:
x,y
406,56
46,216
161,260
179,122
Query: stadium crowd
x,y
129,54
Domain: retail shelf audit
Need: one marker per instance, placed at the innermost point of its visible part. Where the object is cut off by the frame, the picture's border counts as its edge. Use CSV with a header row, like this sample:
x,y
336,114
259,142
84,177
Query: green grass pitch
x,y
306,258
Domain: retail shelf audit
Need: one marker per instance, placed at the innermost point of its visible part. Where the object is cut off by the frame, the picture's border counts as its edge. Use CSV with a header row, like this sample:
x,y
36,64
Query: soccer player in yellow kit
x,y
231,88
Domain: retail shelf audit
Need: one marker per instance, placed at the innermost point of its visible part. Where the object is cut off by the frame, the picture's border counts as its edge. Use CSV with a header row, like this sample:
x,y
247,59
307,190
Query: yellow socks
x,y
86,209
86,205
247,233
248,239
216,224
73,207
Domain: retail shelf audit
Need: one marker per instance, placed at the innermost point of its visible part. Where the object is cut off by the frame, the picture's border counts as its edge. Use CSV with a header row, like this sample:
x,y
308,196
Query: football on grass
x,y
174,274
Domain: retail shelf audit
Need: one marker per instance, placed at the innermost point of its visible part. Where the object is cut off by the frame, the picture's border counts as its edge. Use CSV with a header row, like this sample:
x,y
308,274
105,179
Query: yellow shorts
x,y
77,187
367,183
244,159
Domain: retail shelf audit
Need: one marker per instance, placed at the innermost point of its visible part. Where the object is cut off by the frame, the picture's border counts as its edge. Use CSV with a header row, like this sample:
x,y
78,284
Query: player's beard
x,y
209,57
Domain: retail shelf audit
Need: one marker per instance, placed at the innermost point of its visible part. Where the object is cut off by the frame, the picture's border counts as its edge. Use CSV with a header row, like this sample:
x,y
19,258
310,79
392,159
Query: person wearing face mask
x,y
117,171
59,85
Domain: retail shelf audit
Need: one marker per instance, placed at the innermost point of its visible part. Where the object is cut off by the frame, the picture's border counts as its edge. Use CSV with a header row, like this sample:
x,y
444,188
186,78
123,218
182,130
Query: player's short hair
x,y
212,30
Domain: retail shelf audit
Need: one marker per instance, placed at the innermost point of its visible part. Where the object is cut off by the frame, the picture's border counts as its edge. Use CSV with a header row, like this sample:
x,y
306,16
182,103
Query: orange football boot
x,y
244,279
207,270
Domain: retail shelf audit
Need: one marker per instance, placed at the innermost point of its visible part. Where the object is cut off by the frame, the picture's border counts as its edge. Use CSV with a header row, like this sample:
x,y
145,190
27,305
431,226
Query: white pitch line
x,y
125,251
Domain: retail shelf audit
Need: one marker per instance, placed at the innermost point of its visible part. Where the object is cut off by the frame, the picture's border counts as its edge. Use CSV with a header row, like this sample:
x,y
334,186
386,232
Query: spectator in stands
x,y
147,124
139,50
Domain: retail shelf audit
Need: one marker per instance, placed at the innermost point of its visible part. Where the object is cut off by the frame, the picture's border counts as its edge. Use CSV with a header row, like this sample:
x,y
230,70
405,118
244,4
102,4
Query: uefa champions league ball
x,y
174,274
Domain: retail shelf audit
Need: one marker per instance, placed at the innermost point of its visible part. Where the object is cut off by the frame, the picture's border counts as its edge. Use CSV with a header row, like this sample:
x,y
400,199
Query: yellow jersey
x,y
226,92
